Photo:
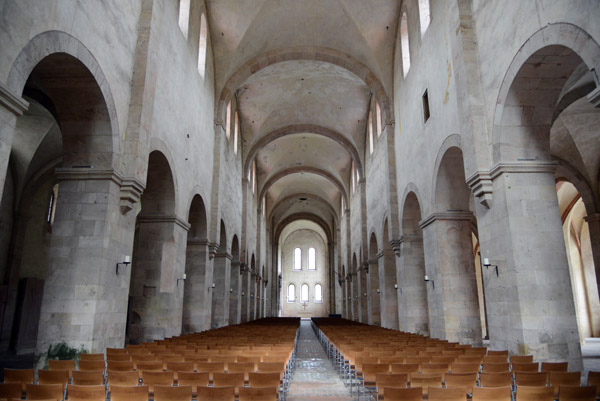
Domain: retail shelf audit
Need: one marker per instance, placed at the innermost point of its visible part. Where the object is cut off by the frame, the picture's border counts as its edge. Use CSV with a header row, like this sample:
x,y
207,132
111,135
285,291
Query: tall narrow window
x,y
202,46
254,176
52,205
424,15
370,131
318,293
264,205
426,111
353,177
228,121
297,259
378,111
405,44
291,295
235,133
312,259
184,16
304,293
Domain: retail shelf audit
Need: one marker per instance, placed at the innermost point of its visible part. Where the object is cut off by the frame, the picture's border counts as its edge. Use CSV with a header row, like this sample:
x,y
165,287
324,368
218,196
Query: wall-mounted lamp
x,y
213,285
126,261
379,292
432,282
243,294
365,294
396,286
251,295
182,278
231,290
486,263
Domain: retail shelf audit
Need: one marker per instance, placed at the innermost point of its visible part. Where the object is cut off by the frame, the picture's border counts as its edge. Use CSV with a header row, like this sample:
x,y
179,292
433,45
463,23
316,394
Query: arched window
x,y
202,46
378,118
424,15
405,44
304,293
312,259
235,133
184,16
228,121
318,293
52,205
291,295
353,177
297,259
370,131
254,176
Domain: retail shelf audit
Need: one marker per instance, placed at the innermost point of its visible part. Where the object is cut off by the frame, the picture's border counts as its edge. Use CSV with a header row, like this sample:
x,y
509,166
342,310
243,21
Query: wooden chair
x,y
234,379
403,394
492,393
426,381
62,365
557,379
215,394
118,357
531,379
405,368
170,393
194,379
443,359
555,367
180,367
525,367
53,377
497,353
149,366
521,359
534,393
264,379
495,379
398,380
241,367
495,359
115,351
210,367
462,380
121,366
470,359
91,365
128,393
88,378
270,367
576,393
370,372
495,367
594,380
86,393
45,391
8,391
91,357
440,368
21,376
151,379
458,367
122,378
447,394
258,394
248,358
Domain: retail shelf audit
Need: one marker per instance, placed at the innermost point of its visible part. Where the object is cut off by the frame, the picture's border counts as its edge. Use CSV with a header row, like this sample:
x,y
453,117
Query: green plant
x,y
60,351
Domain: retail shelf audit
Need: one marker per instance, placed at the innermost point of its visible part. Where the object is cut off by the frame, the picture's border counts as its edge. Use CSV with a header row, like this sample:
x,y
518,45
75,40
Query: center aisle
x,y
314,377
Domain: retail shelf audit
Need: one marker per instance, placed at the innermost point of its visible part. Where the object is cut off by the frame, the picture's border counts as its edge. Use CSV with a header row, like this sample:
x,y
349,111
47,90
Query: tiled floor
x,y
315,378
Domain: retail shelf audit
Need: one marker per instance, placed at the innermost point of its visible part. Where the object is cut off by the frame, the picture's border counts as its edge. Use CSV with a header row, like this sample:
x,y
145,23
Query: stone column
x,y
413,313
158,289
196,310
252,296
11,107
220,292
235,295
85,298
373,297
530,303
389,294
355,296
452,289
593,221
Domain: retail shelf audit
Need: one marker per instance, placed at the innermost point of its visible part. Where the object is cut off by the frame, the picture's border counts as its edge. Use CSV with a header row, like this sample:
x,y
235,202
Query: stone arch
x,y
194,302
303,169
301,128
62,44
317,198
374,287
326,55
560,40
158,145
453,144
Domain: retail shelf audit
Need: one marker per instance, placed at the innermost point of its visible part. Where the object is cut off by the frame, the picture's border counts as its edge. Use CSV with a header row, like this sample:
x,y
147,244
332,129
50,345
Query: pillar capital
x,y
481,185
162,218
447,215
395,244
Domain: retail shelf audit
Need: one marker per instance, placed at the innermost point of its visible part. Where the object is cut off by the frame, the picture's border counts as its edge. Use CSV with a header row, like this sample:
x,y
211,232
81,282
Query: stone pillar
x,y
355,296
234,293
412,289
593,221
252,296
85,298
389,294
530,303
362,298
158,289
220,292
196,310
373,297
452,289
11,107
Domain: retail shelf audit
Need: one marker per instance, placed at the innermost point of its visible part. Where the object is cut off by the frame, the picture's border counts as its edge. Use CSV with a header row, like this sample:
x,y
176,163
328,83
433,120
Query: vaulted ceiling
x,y
305,75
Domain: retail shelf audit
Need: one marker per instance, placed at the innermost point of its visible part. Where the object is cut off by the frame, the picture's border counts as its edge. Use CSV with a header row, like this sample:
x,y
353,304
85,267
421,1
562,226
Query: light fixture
x,y
126,261
396,286
365,294
182,278
231,290
432,282
213,285
486,263
379,292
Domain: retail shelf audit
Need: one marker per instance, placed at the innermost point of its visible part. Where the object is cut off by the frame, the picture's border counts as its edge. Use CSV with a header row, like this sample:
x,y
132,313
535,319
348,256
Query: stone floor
x,y
315,378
